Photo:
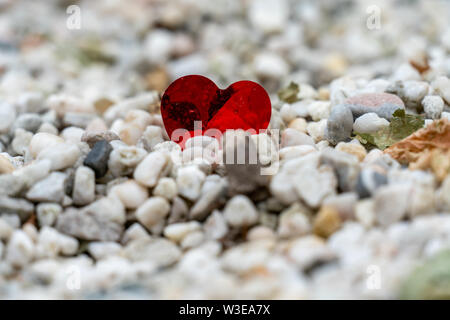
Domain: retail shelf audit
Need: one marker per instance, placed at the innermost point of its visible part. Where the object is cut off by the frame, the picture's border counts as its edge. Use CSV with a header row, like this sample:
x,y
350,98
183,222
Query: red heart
x,y
243,105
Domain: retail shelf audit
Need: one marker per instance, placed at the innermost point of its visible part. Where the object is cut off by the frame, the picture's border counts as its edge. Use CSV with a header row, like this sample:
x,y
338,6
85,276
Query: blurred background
x,y
113,49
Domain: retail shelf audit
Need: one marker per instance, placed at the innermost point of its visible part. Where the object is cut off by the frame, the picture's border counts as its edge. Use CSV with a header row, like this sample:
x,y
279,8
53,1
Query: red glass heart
x,y
243,105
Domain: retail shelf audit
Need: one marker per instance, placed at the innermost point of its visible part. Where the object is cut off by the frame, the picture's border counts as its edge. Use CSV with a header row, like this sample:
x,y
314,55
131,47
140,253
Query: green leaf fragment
x,y
289,94
401,126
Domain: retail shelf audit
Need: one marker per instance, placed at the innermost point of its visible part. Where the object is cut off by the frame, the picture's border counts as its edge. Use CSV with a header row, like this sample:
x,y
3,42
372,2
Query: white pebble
x,y
130,193
240,211
47,213
189,181
433,106
52,243
152,211
167,188
42,140
20,249
61,155
155,165
369,123
83,186
178,231
7,116
319,110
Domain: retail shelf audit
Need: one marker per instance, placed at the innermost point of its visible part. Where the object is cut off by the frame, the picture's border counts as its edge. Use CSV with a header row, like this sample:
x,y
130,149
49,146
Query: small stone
x,y
365,212
146,101
308,251
270,65
160,252
124,159
133,126
47,213
42,140
7,116
5,165
167,188
50,189
189,182
33,172
319,110
369,181
293,222
298,124
102,250
6,230
178,231
21,207
51,243
21,141
20,249
296,152
11,185
134,232
327,222
83,186
422,201
346,167
130,193
244,173
213,194
354,149
313,182
154,166
28,122
76,119
91,138
61,155
317,130
260,233
152,212
240,212
339,124
192,240
268,16
344,203
151,137
73,135
102,220
391,203
369,123
292,137
215,226
441,85
433,106
383,104
287,113
63,103
179,211
97,158
48,128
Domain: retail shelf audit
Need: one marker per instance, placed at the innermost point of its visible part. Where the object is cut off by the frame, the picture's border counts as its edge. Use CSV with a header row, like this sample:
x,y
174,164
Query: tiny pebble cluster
x,y
97,202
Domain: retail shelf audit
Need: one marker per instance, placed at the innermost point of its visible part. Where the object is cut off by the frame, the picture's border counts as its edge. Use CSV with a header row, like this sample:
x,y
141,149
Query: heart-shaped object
x,y
243,105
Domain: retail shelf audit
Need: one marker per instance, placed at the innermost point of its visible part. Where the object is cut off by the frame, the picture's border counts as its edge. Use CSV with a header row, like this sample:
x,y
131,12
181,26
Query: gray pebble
x,y
368,182
50,189
339,124
345,166
21,207
27,121
97,158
